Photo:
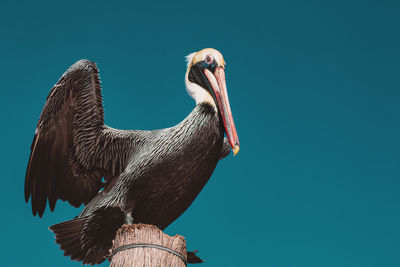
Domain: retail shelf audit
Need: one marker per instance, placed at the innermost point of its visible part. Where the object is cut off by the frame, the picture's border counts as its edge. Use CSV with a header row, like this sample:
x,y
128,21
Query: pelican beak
x,y
218,84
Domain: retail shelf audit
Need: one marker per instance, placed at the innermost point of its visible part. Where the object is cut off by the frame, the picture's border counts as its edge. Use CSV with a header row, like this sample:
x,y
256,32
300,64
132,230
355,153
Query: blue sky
x,y
314,90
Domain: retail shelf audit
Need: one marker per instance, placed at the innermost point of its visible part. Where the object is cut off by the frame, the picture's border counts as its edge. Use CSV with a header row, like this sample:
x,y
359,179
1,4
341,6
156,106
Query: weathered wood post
x,y
145,245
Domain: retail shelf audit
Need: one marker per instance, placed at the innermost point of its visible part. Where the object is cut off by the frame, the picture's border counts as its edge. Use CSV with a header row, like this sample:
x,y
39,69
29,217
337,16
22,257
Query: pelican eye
x,y
209,59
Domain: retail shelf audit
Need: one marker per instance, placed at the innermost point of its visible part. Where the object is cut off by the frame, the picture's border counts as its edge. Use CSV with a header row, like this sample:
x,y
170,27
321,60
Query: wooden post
x,y
147,256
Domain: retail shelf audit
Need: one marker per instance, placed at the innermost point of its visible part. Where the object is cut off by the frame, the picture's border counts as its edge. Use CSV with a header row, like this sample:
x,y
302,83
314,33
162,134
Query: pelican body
x,y
149,176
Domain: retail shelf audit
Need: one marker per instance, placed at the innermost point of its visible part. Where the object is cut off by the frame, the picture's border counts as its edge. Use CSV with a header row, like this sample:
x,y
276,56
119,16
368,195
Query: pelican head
x,y
205,82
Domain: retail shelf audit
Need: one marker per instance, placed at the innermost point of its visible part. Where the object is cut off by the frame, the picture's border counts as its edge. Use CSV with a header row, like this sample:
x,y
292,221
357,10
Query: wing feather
x,y
71,149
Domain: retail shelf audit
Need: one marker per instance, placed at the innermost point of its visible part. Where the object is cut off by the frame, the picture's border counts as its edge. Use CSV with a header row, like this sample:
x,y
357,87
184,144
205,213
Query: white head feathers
x,y
198,93
189,58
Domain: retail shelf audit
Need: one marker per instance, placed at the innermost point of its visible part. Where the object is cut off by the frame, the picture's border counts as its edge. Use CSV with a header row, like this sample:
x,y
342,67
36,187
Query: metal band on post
x,y
130,246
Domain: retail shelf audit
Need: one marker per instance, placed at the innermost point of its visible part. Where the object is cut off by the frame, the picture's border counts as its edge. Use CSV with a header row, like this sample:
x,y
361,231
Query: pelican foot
x,y
128,218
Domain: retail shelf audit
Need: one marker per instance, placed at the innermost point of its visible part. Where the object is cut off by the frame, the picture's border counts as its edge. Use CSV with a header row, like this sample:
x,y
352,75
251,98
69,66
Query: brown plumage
x,y
149,176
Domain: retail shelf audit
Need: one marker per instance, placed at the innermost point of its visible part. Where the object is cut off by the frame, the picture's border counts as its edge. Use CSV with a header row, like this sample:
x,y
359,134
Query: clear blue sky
x,y
314,88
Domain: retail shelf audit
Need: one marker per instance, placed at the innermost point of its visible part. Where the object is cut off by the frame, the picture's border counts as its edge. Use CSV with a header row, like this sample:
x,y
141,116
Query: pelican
x,y
125,176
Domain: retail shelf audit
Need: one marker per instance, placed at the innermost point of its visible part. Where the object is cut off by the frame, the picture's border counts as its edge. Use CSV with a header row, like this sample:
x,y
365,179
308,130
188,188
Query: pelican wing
x,y
72,148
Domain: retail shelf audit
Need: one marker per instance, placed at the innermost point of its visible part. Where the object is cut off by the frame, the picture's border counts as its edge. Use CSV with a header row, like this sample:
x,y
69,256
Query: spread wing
x,y
72,148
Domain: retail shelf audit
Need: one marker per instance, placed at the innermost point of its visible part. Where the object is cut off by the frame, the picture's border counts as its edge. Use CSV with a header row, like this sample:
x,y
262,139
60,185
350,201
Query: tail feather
x,y
68,236
65,238
89,238
73,252
69,244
